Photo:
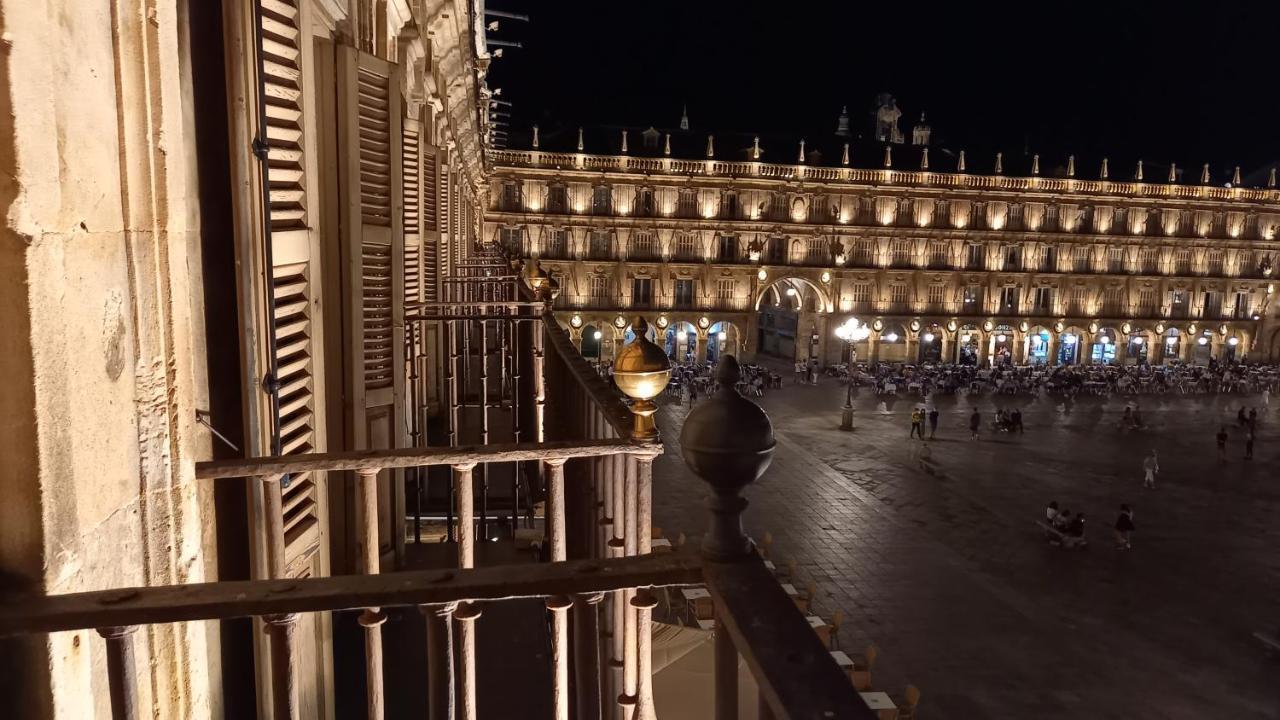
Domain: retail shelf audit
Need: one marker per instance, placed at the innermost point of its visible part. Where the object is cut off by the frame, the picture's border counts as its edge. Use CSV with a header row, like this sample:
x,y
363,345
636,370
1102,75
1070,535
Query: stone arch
x,y
724,337
779,285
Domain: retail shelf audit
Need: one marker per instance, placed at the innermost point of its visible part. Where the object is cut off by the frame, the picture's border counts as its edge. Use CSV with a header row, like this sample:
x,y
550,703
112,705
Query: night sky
x,y
1174,81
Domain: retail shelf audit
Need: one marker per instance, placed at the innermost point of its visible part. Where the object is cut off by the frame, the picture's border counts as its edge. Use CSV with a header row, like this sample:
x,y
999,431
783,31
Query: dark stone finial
x,y
728,442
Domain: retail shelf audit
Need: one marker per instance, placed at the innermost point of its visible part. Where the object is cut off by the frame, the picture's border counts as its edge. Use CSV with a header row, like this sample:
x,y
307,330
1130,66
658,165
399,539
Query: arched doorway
x,y
681,342
592,344
628,335
1139,344
893,343
1234,347
930,344
1171,345
968,344
1203,349
795,292
1000,346
1039,340
1070,344
1104,346
722,338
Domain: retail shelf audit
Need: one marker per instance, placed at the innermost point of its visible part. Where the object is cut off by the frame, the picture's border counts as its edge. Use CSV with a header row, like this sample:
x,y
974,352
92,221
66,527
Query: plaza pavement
x,y
931,551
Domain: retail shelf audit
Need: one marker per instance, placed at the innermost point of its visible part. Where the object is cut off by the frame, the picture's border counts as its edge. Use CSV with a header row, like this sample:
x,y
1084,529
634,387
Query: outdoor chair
x,y
837,619
907,704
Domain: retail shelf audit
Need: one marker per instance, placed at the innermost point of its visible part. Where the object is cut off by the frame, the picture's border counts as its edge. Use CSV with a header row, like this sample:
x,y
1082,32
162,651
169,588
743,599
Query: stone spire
x,y
888,156
1173,172
1071,166
999,163
666,145
842,125
1204,174
684,118
1138,176
624,142
755,148
1235,177
924,158
844,156
711,146
1104,174
800,159
960,163
1271,178
1035,164
580,146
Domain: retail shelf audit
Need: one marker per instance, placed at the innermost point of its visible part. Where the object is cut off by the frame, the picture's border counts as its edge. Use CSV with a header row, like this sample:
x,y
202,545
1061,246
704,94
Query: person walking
x,y
799,372
1240,417
975,422
1222,443
1248,445
1124,528
917,424
693,392
933,422
1253,418
1150,468
1015,420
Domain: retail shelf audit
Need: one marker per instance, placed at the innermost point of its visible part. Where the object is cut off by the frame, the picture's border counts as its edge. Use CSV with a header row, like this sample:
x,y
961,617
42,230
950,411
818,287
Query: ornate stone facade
x,y
943,265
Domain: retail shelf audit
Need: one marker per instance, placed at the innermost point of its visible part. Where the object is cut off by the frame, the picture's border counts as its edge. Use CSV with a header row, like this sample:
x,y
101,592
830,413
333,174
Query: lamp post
x,y
850,331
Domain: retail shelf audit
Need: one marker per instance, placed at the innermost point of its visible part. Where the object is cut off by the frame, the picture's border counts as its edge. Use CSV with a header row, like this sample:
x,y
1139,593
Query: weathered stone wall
x,y
100,336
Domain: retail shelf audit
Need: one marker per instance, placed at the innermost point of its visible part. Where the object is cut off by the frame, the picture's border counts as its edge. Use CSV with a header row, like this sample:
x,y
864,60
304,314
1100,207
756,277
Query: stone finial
x,y
1035,164
1138,175
755,148
924,159
666,145
1173,172
960,163
1235,177
624,142
728,442
1204,174
999,163
1104,174
684,117
844,155
580,145
888,156
1271,178
1071,166
711,146
801,158
535,137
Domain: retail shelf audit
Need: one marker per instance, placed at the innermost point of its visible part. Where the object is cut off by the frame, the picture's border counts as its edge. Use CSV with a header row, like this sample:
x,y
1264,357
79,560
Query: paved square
x,y
931,551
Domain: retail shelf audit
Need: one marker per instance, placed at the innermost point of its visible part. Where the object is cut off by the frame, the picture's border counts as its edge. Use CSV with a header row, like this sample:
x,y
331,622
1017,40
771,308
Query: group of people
x,y
1247,422
692,380
1069,528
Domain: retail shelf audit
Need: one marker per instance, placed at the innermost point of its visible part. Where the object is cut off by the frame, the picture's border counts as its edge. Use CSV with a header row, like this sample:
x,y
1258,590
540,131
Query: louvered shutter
x,y
370,140
412,186
292,276
446,231
430,223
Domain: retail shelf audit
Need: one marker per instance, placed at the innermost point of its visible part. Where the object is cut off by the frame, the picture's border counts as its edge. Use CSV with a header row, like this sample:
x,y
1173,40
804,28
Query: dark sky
x,y
1191,82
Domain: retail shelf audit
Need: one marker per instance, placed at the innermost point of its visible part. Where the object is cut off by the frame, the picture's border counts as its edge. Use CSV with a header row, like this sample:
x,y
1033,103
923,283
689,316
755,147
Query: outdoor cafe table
x,y
881,704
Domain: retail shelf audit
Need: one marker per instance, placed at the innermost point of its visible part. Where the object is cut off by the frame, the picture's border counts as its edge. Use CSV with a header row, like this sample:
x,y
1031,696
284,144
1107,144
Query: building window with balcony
x,y
642,293
938,255
901,257
687,203
601,245
602,200
975,257
1042,300
1013,257
1215,263
1178,303
865,253
1049,259
1079,301
510,199
557,244
684,294
1147,302
937,297
643,246
512,238
1113,302
1242,309
725,288
1212,305
729,209
1081,261
1009,299
898,298
727,249
972,299
779,209
646,204
1150,261
687,247
1182,262
1115,260
558,199
600,291
776,251
820,210
816,252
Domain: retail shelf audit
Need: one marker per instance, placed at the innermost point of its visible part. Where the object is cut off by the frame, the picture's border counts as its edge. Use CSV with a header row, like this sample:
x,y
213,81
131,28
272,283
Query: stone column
x,y
1054,339
702,345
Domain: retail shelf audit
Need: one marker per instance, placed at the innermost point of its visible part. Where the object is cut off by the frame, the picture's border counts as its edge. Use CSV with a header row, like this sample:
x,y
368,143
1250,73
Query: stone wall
x,y
101,340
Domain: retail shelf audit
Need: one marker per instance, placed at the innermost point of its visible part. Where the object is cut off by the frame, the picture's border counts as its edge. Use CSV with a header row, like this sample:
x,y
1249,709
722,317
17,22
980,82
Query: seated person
x,y
1075,528
1062,520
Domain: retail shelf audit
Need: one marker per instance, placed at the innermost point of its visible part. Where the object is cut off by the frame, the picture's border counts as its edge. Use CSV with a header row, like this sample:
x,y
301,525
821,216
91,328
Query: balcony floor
x,y
936,560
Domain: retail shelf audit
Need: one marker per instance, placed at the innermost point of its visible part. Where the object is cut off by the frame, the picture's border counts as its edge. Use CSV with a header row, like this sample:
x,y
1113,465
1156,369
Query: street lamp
x,y
599,346
851,331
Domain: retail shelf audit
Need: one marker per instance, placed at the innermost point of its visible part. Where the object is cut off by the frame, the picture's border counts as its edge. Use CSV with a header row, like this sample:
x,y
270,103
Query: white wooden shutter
x,y
412,188
430,223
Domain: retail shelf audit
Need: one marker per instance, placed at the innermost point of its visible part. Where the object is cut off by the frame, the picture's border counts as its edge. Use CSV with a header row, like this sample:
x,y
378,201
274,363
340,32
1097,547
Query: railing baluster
x,y
280,628
559,604
440,698
726,673
367,562
467,613
618,601
121,672
586,634
644,601
628,697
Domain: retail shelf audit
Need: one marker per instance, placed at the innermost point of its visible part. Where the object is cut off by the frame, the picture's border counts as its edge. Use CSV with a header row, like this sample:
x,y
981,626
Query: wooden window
x,y
937,296
686,246
684,293
641,292
643,246
725,288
